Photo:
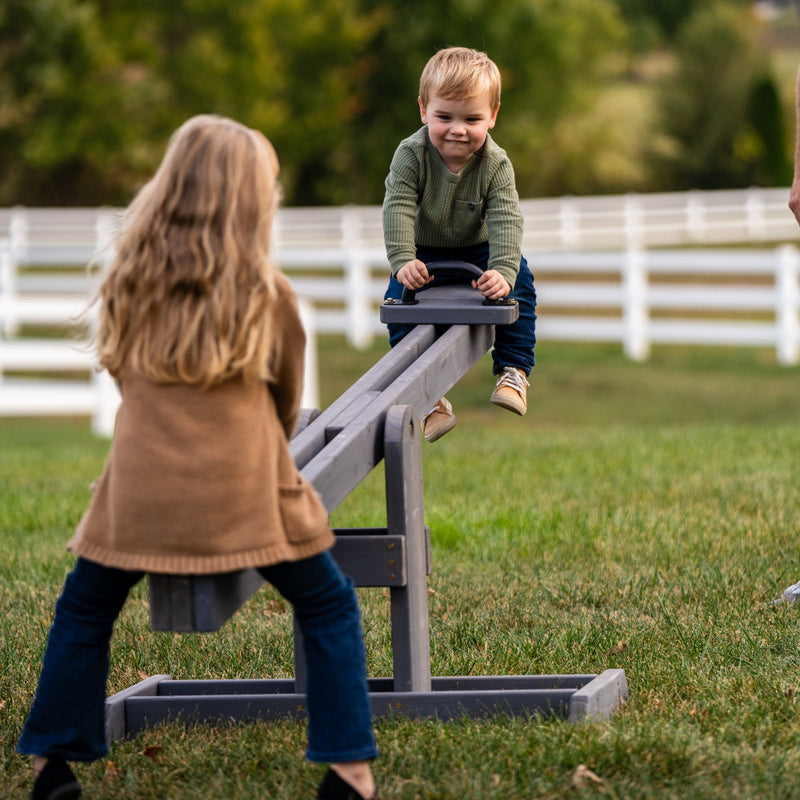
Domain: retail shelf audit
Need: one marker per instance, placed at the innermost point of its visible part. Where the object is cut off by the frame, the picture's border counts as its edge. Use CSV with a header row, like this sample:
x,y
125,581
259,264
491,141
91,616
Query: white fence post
x,y
787,266
634,232
107,397
310,398
754,204
635,314
695,216
568,223
17,244
6,290
107,402
104,230
359,327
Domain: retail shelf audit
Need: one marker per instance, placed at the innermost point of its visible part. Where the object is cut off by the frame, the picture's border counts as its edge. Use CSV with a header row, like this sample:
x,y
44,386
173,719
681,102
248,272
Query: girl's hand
x,y
492,285
413,274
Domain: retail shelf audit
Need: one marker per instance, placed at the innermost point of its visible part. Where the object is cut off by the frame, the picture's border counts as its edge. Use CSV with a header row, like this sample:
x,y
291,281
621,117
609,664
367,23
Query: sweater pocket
x,y
467,218
302,513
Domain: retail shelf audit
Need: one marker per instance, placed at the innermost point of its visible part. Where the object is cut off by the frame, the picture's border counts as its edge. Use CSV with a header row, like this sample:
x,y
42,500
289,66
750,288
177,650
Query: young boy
x,y
450,195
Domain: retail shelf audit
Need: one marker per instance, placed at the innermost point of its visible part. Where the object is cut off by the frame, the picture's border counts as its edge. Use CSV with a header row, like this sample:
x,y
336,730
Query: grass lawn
x,y
640,516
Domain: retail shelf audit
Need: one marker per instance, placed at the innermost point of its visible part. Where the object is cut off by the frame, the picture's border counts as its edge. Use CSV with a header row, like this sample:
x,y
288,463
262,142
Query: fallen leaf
x,y
583,778
113,772
153,751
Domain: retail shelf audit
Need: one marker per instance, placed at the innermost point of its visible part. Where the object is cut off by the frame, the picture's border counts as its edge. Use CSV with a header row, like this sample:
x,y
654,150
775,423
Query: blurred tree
x,y
765,117
655,20
284,67
58,76
660,20
91,89
707,136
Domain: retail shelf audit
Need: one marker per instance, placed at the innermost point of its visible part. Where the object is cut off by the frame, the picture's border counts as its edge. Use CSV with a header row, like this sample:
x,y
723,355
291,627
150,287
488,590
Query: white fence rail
x,y
621,269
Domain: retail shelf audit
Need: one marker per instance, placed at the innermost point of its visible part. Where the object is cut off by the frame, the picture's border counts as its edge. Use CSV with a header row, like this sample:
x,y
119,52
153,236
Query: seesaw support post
x,y
405,561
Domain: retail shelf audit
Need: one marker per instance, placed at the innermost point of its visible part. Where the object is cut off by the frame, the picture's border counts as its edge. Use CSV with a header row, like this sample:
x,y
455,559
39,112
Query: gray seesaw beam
x,y
338,448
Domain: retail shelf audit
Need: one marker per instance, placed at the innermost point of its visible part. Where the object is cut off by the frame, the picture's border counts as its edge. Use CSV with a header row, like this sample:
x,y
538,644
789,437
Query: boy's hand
x,y
413,274
492,285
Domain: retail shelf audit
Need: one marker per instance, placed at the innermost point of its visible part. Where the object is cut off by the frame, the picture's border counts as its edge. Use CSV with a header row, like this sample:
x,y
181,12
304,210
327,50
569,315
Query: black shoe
x,y
335,788
56,782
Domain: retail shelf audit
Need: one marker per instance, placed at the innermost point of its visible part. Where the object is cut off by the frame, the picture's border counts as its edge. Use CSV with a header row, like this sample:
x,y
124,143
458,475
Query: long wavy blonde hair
x,y
187,296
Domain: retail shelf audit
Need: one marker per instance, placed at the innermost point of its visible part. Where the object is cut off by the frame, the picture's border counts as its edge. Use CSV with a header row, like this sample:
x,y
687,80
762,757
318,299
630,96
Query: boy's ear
x,y
422,113
493,118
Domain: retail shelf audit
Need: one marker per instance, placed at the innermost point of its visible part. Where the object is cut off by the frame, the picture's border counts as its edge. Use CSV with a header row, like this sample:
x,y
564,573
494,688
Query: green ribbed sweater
x,y
426,204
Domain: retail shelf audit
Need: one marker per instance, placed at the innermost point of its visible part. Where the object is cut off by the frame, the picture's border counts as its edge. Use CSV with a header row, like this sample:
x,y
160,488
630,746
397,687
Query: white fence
x,y
624,269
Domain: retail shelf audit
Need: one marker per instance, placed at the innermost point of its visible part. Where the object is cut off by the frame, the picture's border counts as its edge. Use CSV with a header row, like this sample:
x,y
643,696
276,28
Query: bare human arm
x,y
794,195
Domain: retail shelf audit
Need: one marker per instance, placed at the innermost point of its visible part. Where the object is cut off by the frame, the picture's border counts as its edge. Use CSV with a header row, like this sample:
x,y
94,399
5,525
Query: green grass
x,y
639,517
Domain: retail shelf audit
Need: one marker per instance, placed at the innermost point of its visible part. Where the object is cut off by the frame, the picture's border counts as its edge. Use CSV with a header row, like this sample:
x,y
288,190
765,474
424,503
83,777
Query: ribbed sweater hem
x,y
181,564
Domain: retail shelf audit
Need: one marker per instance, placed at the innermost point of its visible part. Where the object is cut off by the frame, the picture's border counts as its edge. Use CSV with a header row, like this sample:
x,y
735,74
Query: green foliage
x,y
90,91
58,74
720,115
765,119
659,19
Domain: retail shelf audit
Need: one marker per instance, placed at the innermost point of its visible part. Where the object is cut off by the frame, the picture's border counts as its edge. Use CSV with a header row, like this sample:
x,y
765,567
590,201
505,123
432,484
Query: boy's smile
x,y
458,128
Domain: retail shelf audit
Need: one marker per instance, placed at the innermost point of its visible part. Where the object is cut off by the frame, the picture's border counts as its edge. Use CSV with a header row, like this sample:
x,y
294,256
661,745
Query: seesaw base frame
x,y
160,699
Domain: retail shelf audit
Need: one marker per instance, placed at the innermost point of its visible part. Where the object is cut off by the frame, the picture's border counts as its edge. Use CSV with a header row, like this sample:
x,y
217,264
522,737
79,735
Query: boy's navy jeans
x,y
67,715
513,344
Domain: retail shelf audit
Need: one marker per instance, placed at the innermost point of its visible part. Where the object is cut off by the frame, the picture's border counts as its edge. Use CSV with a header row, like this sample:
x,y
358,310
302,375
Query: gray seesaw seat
x,y
376,419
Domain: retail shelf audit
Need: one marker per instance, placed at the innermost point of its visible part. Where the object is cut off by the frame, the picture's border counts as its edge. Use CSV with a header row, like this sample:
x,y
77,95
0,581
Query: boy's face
x,y
458,128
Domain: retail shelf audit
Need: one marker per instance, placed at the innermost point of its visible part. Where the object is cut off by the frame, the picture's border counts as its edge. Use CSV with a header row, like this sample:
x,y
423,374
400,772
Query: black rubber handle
x,y
446,269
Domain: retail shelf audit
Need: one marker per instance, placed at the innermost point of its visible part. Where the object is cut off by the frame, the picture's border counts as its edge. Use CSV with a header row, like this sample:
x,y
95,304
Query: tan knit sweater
x,y
426,204
202,481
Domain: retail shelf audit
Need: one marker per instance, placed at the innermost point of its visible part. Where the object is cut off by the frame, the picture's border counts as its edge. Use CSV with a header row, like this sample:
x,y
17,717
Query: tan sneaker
x,y
438,420
511,392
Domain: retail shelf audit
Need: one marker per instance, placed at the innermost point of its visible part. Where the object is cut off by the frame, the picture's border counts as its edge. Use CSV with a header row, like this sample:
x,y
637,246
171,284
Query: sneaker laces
x,y
514,378
442,405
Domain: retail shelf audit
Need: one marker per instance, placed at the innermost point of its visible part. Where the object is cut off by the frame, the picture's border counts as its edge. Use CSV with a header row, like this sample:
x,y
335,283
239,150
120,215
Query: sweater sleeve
x,y
288,355
400,207
504,221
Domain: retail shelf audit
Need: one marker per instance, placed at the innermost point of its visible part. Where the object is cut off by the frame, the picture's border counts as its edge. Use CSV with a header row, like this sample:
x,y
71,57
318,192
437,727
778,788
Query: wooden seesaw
x,y
376,419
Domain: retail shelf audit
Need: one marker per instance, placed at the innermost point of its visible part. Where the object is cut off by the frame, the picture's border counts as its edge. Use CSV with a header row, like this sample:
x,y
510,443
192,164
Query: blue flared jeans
x,y
513,344
67,718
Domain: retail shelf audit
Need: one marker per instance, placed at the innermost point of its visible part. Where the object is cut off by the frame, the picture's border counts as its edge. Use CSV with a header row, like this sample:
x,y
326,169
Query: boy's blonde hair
x,y
187,296
460,73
